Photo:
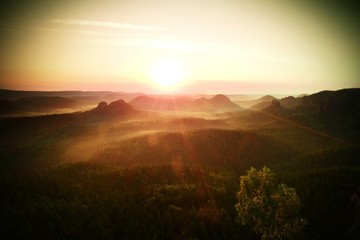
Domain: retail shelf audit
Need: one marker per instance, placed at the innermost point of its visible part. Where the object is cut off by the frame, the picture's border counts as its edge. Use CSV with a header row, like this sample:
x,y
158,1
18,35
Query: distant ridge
x,y
344,101
45,102
31,103
218,102
114,108
35,103
258,103
330,102
335,102
108,95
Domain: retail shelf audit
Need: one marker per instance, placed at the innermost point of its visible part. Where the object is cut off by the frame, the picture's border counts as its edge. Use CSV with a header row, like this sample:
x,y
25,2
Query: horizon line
x,y
175,93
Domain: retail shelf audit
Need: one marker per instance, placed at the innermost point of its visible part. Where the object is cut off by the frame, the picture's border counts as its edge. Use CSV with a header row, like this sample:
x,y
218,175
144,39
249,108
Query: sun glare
x,y
167,74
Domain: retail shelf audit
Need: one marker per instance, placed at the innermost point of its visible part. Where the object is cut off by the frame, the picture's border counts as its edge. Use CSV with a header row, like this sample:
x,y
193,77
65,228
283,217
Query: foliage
x,y
96,201
62,177
271,209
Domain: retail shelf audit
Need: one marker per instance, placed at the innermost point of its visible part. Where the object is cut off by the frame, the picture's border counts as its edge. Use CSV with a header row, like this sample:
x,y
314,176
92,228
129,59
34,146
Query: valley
x,y
118,172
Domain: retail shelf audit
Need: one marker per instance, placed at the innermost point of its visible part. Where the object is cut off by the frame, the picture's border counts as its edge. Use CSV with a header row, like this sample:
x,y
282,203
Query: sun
x,y
167,74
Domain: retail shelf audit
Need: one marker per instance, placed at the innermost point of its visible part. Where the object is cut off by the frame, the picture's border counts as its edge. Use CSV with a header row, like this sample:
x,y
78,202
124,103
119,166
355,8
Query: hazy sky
x,y
216,46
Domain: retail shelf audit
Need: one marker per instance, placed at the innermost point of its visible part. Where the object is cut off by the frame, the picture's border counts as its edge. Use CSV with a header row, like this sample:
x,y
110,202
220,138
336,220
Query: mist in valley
x,y
174,161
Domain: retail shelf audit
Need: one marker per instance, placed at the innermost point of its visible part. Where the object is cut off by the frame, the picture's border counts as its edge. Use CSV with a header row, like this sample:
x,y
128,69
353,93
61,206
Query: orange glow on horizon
x,y
224,43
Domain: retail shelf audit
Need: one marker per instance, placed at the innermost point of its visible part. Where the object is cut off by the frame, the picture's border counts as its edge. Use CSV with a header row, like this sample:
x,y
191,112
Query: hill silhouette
x,y
106,95
30,103
172,103
118,107
336,113
221,101
45,102
257,103
344,101
36,104
9,107
286,102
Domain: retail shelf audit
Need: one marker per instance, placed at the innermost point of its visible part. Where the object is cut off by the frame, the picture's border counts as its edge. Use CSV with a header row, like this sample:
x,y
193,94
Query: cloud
x,y
48,29
104,24
151,43
65,30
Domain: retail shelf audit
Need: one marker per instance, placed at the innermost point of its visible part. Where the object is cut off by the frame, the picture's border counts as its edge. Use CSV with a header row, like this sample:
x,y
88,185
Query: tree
x,y
271,209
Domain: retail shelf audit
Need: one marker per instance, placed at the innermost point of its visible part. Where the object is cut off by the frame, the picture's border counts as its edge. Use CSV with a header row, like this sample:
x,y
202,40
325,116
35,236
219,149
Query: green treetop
x,y
271,209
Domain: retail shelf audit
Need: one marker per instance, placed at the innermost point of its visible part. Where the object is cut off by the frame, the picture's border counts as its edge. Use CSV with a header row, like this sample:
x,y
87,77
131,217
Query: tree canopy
x,y
271,209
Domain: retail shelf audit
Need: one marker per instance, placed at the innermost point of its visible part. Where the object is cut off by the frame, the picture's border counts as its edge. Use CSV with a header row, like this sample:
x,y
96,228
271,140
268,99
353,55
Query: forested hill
x,y
114,172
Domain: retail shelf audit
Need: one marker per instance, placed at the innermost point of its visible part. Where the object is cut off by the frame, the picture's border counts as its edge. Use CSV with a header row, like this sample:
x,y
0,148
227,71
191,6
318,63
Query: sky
x,y
183,46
